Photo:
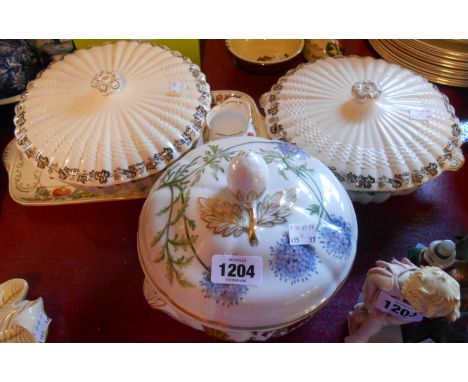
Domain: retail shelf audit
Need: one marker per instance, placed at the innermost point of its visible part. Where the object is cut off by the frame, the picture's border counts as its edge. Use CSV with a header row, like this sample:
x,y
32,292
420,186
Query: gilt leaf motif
x,y
223,218
227,219
274,209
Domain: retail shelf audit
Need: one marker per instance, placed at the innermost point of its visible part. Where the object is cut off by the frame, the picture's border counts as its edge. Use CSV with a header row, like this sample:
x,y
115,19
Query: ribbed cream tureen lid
x,y
112,113
238,197
377,126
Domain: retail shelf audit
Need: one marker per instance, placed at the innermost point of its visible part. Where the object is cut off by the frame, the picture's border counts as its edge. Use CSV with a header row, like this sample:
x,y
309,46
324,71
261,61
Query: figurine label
x,y
300,234
233,269
40,328
397,308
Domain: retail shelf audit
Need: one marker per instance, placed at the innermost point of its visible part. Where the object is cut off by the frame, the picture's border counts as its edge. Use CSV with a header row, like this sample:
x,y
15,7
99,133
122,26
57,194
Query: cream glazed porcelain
x,y
21,320
112,113
237,197
381,129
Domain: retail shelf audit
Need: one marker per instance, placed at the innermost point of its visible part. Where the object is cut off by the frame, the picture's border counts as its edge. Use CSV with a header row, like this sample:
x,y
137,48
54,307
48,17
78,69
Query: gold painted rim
x,y
440,79
430,66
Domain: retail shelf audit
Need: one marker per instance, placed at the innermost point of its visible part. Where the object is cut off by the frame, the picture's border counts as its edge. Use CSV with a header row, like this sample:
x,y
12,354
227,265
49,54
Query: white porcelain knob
x,y
247,175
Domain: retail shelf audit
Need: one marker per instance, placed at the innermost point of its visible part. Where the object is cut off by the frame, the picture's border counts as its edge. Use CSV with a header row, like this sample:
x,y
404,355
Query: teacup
x,y
232,118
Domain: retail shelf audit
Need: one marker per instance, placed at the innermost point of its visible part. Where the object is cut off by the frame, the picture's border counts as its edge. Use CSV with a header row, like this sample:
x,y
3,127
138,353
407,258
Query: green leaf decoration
x,y
314,209
163,211
178,179
191,223
158,237
282,173
183,261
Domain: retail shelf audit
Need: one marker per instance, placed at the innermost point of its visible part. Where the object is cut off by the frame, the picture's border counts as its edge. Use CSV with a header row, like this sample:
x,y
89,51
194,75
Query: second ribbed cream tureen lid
x,y
113,113
377,126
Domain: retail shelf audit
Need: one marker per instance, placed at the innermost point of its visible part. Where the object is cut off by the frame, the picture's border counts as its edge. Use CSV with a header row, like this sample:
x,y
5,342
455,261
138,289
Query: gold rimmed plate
x,y
438,77
422,55
429,66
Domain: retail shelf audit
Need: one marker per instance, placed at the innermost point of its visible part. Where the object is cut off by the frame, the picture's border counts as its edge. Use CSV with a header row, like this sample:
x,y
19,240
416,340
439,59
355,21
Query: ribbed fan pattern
x,y
380,145
84,136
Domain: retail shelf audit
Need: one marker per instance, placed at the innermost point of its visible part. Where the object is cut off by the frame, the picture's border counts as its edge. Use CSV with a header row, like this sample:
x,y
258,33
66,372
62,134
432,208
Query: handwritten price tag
x,y
420,114
40,328
301,234
397,308
176,88
233,269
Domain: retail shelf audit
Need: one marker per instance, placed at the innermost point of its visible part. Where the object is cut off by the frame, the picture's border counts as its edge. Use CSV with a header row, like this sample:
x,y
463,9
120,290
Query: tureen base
x,y
155,300
363,197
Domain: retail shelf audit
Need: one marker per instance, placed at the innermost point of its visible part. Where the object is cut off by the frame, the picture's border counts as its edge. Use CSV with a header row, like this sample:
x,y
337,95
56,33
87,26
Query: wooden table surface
x,y
82,259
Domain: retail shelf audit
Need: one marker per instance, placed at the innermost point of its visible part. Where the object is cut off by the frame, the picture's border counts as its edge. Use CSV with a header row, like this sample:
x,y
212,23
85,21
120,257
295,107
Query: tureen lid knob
x,y
108,82
247,176
365,91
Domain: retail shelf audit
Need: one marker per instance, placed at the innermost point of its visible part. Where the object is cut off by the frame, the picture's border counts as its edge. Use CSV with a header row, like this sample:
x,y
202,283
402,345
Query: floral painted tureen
x,y
245,238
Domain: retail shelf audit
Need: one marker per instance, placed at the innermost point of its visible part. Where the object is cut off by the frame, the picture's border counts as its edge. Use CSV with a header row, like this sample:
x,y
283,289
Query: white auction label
x,y
420,114
233,269
300,234
40,328
176,88
397,308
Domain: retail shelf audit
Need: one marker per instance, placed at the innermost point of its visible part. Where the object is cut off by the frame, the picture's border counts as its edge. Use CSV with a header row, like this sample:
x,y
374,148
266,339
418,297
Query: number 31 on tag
x,y
301,234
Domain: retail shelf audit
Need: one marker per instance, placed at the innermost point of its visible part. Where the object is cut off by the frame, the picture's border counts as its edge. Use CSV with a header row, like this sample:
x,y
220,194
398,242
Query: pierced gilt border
x,y
451,159
134,171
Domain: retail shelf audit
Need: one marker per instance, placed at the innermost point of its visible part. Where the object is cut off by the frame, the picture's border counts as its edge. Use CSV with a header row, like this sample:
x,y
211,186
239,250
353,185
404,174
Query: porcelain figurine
x,y
439,253
21,320
400,292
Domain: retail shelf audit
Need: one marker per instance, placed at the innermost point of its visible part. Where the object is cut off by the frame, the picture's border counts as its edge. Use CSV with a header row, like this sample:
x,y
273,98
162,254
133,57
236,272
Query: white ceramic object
x,y
112,113
21,320
202,206
381,129
232,118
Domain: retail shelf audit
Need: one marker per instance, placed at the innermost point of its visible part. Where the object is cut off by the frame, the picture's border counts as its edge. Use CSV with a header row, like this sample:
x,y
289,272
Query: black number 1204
x,y
237,270
399,310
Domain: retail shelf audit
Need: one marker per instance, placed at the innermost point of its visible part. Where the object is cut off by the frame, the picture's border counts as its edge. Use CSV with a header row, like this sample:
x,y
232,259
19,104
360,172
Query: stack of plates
x,y
441,61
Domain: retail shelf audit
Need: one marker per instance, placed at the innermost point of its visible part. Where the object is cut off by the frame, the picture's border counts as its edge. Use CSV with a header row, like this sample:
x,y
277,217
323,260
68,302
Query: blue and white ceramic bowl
x,y
20,61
